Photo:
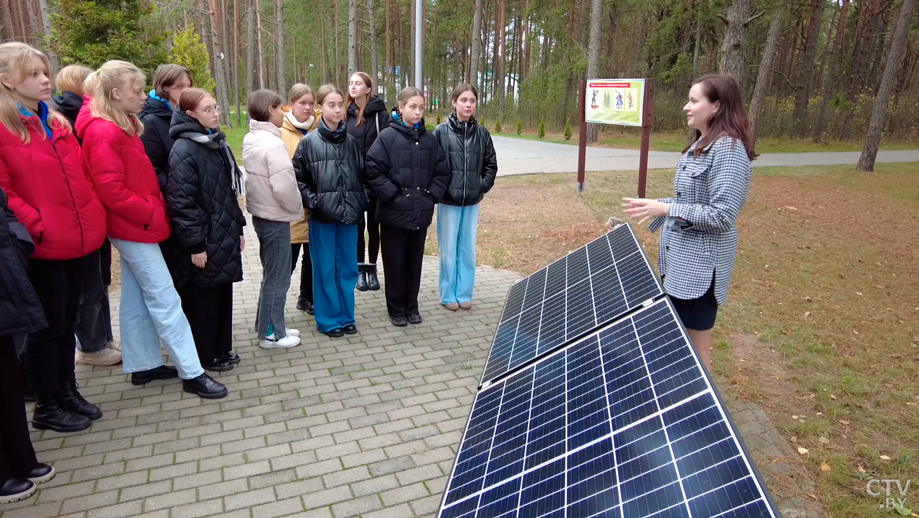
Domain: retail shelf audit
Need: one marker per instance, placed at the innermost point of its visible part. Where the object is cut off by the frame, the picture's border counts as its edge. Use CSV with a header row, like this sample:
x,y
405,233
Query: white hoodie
x,y
271,185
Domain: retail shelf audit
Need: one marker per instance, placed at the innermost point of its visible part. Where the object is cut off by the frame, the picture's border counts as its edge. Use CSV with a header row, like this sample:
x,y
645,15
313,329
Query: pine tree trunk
x,y
732,62
33,22
218,59
826,90
282,80
7,32
374,57
261,49
765,73
876,127
251,66
473,78
226,60
691,133
611,43
501,56
46,27
593,57
802,96
388,73
352,36
236,62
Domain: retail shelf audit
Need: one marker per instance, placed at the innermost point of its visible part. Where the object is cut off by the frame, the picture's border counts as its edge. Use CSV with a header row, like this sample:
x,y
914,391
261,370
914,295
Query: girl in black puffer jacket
x,y
208,224
408,173
471,156
328,164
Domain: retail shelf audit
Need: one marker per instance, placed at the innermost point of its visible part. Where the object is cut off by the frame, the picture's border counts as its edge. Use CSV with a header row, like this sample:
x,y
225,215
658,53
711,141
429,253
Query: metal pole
x,y
419,43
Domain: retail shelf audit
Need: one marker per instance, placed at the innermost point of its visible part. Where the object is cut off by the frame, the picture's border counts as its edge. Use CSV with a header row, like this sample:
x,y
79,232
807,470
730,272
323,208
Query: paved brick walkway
x,y
366,426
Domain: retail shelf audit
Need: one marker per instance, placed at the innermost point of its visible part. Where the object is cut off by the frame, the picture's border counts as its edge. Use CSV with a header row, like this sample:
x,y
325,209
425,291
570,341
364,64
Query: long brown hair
x,y
730,119
348,100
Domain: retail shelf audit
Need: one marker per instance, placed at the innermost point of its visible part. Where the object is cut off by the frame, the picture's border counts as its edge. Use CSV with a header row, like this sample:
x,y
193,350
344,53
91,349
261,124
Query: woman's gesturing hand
x,y
199,260
644,209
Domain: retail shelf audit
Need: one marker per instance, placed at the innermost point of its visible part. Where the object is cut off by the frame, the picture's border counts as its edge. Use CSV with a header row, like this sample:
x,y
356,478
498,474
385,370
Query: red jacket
x,y
49,193
124,179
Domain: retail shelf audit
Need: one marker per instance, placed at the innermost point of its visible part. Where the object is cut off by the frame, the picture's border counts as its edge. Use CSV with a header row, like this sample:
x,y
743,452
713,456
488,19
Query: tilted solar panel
x,y
593,285
623,423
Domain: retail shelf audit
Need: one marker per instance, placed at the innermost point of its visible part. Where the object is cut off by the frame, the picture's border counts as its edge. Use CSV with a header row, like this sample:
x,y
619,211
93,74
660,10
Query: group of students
x,y
107,163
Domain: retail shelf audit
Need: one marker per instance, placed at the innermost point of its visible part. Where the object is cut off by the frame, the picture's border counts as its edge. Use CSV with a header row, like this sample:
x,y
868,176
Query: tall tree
x,y
389,71
501,54
738,20
806,72
691,133
764,76
352,36
374,57
282,80
260,49
593,55
251,66
476,51
826,90
235,61
876,127
46,27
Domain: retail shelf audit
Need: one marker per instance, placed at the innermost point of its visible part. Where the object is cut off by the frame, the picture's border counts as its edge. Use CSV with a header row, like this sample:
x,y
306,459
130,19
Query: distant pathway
x,y
517,156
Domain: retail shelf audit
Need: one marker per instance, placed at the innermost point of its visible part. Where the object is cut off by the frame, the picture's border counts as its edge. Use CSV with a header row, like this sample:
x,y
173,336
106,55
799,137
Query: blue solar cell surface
x,y
622,423
589,287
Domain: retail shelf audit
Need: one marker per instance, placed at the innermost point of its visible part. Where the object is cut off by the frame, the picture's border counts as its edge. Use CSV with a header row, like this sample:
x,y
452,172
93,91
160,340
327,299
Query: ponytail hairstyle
x,y
71,78
348,100
15,63
100,84
731,117
406,94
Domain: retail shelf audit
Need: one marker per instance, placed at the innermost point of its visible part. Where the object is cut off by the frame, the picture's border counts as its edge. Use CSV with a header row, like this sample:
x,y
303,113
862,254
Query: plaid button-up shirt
x,y
699,239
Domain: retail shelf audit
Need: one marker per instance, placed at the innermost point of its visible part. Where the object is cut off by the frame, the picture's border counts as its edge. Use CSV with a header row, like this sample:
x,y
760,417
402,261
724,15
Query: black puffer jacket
x,y
20,310
472,160
202,206
407,171
157,118
366,134
328,165
69,104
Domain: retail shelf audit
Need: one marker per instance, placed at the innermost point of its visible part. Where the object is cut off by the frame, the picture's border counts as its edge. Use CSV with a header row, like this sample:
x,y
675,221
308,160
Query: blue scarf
x,y
164,101
43,113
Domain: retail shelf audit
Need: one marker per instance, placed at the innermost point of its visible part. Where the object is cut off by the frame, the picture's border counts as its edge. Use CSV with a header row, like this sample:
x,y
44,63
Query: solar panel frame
x,y
517,302
539,474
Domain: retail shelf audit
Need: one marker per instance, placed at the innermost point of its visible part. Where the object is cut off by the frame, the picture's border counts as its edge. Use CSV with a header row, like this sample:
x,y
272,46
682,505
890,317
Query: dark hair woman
x,y
328,164
169,81
408,173
366,118
473,165
208,223
699,239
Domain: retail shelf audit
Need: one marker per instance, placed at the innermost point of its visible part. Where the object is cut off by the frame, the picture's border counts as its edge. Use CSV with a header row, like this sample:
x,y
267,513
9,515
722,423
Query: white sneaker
x,y
271,343
293,332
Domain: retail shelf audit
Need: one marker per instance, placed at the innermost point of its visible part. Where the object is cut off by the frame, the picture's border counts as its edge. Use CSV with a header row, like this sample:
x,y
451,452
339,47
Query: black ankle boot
x,y
373,282
73,401
362,277
49,414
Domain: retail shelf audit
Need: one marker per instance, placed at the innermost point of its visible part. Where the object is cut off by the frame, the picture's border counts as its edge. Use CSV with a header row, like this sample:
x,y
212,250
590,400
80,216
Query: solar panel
x,y
622,423
589,287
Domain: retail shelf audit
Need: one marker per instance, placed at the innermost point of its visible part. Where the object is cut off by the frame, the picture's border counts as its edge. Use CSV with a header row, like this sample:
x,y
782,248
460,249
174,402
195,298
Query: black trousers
x,y
94,318
49,352
403,253
210,314
17,457
306,270
373,231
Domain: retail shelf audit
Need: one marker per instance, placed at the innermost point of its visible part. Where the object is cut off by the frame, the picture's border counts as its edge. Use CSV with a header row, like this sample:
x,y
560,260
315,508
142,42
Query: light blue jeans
x,y
335,274
150,309
456,231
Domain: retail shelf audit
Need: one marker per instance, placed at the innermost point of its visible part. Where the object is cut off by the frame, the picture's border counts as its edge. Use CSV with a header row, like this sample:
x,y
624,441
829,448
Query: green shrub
x,y
542,128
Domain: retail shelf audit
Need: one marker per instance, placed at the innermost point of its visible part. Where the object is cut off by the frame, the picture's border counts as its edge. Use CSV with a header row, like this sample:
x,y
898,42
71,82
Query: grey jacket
x,y
699,239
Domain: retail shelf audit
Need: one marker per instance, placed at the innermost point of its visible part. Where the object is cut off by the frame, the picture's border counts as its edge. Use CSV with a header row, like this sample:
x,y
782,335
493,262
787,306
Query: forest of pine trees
x,y
809,68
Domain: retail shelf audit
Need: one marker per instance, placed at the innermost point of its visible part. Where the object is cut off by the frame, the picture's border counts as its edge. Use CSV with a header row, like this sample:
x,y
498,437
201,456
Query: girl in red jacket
x,y
40,172
150,308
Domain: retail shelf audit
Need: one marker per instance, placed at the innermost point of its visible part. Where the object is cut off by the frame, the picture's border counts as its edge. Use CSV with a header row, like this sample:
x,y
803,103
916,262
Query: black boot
x,y
73,401
205,387
49,414
362,278
16,489
304,304
373,282
163,372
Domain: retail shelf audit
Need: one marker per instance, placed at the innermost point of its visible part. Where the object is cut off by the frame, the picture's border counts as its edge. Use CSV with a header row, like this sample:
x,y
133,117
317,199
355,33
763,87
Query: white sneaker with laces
x,y
271,343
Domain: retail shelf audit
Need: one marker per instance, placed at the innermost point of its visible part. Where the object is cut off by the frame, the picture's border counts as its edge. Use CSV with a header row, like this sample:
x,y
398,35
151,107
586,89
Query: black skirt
x,y
210,315
699,313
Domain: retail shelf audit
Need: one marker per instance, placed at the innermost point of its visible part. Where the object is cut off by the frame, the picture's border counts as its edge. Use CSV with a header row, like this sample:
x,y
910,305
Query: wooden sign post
x,y
623,102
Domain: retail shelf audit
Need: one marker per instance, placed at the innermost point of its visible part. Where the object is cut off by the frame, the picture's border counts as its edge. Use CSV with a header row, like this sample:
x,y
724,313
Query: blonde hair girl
x,y
117,90
16,60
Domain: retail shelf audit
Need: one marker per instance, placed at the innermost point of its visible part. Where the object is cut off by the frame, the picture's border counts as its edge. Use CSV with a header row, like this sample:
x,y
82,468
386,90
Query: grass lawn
x,y
822,324
630,138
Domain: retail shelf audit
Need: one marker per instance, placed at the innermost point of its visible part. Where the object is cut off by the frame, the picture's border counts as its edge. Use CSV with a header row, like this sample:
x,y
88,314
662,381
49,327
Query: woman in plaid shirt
x,y
699,239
